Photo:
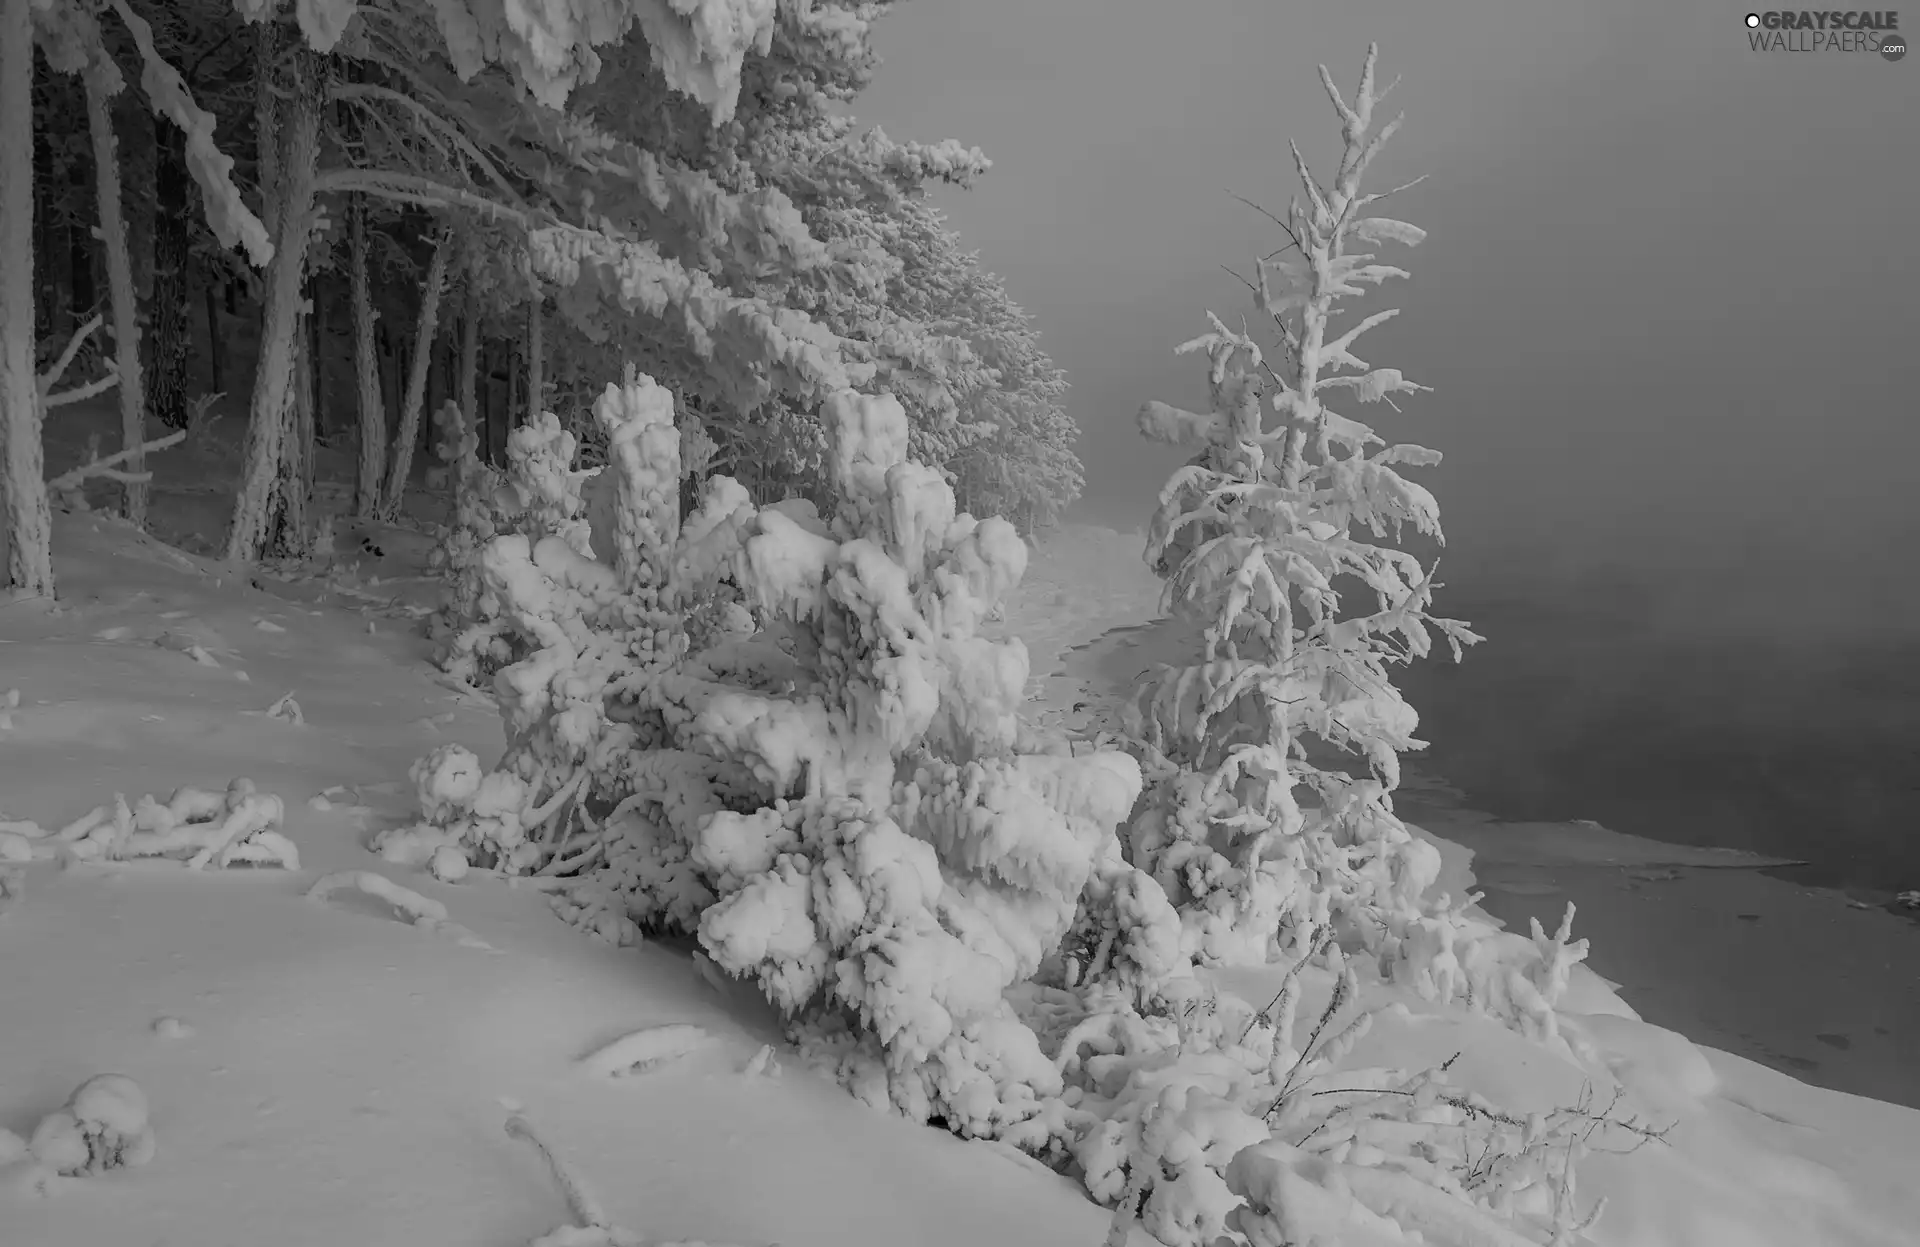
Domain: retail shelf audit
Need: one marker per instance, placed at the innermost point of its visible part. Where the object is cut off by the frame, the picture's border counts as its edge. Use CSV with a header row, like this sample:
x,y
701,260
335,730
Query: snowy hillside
x,y
323,1073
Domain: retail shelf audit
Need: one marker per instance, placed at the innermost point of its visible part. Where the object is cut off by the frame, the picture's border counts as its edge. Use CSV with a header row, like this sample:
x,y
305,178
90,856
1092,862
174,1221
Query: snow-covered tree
x,y
1020,461
842,802
864,256
697,50
1272,535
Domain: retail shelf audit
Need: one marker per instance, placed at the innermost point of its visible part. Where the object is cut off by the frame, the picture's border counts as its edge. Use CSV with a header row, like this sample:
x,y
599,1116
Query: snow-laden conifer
x,y
1274,753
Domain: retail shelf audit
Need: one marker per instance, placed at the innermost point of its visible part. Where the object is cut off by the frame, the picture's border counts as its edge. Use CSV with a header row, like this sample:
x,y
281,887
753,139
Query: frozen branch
x,y
644,1050
81,393
423,911
366,91
227,214
1337,349
109,466
414,188
240,824
51,377
1364,200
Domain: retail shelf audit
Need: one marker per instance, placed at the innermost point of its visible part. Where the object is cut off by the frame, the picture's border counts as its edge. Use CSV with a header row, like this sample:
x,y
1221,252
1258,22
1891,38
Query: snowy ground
x,y
345,1078
339,1077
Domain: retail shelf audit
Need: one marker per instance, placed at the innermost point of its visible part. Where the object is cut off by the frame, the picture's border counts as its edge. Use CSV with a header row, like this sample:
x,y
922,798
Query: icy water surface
x,y
1773,748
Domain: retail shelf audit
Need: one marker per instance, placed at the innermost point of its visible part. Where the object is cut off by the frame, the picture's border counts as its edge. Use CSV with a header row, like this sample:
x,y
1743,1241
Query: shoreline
x,y
1727,948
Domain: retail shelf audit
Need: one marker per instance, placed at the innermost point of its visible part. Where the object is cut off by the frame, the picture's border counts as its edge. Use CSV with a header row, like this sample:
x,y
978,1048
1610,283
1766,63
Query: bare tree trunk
x,y
286,276
436,374
317,359
422,358
296,453
99,75
366,358
536,358
26,522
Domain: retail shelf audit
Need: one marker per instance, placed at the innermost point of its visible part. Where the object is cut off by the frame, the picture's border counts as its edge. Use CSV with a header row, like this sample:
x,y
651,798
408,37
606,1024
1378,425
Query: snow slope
x,y
344,1076
336,1076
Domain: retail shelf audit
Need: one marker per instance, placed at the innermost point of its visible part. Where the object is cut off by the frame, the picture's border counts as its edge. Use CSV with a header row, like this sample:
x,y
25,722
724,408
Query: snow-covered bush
x,y
847,809
579,636
841,804
1273,537
102,1126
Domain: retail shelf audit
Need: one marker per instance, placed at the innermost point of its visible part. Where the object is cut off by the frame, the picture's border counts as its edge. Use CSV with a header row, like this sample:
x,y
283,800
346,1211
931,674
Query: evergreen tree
x,y
1251,824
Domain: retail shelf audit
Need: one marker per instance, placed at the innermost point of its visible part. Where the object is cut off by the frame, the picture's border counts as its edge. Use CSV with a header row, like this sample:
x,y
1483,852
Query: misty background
x,y
1667,305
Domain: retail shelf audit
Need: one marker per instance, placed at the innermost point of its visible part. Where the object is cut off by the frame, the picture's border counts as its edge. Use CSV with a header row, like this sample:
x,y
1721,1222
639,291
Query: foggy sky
x,y
1666,301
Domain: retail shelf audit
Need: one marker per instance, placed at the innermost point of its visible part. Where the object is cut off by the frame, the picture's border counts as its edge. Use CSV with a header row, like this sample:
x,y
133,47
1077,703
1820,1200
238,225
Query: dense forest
x,y
350,215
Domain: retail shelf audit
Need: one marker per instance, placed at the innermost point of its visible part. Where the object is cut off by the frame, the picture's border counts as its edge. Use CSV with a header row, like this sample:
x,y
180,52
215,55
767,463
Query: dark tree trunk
x,y
49,310
488,444
515,409
136,125
80,240
216,353
170,338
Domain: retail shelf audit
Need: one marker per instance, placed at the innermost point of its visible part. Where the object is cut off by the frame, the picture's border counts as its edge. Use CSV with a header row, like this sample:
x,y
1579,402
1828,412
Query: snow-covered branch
x,y
81,393
366,92
108,466
232,222
51,377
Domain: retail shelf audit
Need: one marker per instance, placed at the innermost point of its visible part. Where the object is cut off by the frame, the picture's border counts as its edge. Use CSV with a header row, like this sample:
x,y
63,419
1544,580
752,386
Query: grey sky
x,y
1666,301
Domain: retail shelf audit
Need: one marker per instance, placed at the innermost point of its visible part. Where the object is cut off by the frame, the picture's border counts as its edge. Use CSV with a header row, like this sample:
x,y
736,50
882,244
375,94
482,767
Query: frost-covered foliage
x,y
1272,537
1182,1106
918,856
1214,1123
781,732
540,496
758,268
571,638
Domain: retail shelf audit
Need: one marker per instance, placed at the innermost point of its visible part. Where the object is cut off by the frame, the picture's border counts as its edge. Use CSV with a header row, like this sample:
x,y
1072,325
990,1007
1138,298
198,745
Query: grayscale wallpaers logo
x,y
1829,30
